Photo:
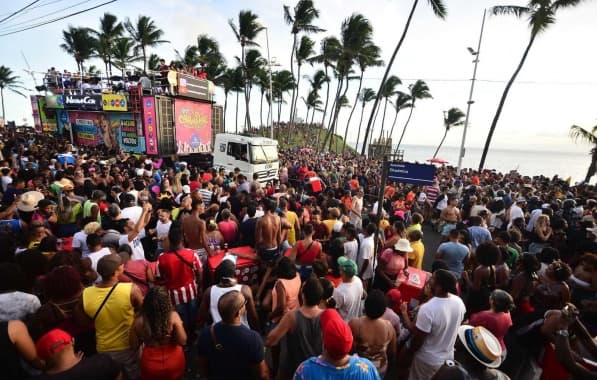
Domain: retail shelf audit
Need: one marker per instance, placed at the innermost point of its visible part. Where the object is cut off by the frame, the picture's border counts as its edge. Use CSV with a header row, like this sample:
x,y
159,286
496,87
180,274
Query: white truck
x,y
247,153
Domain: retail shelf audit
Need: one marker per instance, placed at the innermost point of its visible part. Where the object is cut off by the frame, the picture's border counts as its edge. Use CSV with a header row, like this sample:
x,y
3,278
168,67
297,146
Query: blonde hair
x,y
542,221
91,228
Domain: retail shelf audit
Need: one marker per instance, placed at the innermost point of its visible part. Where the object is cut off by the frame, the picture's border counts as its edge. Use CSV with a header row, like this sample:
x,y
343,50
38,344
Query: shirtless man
x,y
268,237
193,229
449,216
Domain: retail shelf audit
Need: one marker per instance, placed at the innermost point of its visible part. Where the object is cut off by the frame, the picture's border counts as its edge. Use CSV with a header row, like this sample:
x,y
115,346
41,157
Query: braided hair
x,y
156,313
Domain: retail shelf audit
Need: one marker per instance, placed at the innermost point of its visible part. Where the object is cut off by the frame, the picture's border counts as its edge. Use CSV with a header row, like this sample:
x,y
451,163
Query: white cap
x,y
183,163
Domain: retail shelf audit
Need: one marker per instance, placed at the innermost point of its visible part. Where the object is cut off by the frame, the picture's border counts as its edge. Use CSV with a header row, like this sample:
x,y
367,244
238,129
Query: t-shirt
x,y
394,263
95,258
479,235
366,252
80,242
17,305
179,278
349,297
316,368
417,254
96,367
133,213
241,350
391,316
136,272
497,323
439,318
136,246
229,230
351,249
161,230
453,254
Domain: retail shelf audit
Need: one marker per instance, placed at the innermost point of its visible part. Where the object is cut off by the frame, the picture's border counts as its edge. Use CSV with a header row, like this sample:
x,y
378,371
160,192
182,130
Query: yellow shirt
x,y
416,256
292,219
414,227
114,321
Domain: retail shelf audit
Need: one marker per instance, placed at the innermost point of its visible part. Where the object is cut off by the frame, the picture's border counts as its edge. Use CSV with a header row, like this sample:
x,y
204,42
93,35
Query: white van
x,y
249,154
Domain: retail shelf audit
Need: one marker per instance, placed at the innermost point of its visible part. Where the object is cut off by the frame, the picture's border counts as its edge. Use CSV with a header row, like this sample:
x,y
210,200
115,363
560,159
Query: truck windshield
x,y
262,154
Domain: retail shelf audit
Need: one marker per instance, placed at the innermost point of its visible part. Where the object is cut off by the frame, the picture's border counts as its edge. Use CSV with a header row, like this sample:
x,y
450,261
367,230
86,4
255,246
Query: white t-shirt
x,y
439,318
133,213
95,257
366,252
6,180
349,299
80,242
351,249
136,246
515,212
162,230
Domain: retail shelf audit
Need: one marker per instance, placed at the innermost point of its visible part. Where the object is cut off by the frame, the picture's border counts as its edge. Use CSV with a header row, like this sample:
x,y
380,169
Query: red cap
x,y
337,337
52,342
395,297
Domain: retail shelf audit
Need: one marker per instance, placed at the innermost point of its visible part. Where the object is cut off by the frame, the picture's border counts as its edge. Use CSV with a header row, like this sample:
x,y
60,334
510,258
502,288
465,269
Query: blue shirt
x,y
478,235
316,368
453,254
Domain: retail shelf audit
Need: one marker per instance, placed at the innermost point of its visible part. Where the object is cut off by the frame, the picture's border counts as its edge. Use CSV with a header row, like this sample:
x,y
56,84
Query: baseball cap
x,y
52,342
107,265
348,266
337,336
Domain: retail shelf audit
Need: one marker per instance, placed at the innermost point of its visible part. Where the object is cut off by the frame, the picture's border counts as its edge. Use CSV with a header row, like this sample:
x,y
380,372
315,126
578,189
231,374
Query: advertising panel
x,y
416,174
114,102
149,125
85,127
193,126
35,112
193,87
54,101
83,102
47,116
128,132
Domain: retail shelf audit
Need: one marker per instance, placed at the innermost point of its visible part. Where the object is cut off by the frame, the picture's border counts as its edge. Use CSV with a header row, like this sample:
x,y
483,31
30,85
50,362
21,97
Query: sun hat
x,y
348,266
403,245
65,184
481,344
107,265
29,201
52,343
337,336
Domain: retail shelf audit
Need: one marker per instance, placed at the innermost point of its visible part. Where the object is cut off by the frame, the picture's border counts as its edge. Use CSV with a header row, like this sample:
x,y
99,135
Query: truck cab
x,y
249,154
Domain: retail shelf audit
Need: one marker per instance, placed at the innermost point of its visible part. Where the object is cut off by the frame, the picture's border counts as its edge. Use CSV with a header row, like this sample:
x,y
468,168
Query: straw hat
x,y
481,344
403,246
29,200
65,184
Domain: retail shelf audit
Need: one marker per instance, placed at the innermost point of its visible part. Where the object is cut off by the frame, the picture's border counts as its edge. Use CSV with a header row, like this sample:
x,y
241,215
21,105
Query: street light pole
x,y
470,97
271,100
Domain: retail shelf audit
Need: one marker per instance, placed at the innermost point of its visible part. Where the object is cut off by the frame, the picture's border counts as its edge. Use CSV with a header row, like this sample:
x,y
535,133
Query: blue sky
x,y
555,89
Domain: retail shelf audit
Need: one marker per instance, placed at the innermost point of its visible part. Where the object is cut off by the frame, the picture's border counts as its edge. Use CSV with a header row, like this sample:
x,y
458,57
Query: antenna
x,y
28,69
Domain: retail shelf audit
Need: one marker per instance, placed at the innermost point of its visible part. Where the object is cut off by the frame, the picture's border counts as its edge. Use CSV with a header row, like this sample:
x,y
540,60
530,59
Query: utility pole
x,y
271,100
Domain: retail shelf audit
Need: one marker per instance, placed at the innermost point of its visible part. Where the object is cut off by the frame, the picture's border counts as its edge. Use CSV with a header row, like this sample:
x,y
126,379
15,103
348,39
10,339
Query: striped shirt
x,y
206,196
179,277
432,193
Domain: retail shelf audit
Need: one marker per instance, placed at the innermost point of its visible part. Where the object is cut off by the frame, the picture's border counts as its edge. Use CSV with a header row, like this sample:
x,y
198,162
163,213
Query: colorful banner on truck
x,y
83,102
35,112
193,126
47,116
85,127
149,125
128,132
114,102
54,101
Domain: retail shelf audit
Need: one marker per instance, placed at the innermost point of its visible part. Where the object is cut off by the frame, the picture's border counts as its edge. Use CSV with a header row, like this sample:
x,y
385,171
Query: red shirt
x,y
207,177
306,254
229,230
497,323
194,185
179,278
138,271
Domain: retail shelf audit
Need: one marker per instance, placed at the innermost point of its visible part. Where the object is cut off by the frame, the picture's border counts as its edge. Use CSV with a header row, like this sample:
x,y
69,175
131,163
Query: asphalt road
x,y
431,240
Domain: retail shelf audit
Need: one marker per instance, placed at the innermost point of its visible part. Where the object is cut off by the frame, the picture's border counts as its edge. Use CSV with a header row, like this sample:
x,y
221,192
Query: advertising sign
x,y
128,132
54,101
83,102
114,102
416,174
47,116
149,125
193,87
193,126
35,112
85,128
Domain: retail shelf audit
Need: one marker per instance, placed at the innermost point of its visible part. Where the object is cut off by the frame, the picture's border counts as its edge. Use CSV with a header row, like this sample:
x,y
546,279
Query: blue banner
x,y
416,174
128,131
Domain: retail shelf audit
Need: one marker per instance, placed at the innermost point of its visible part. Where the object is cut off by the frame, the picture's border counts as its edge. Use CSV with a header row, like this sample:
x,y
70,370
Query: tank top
x,y
10,361
214,297
306,254
114,321
302,343
292,289
87,210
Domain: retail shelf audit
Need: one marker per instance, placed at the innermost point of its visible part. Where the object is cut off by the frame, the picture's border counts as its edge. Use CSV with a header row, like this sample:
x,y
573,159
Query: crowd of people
x,y
131,267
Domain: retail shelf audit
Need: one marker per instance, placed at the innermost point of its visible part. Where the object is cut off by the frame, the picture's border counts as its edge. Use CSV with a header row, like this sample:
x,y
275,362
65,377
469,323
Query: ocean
x,y
531,163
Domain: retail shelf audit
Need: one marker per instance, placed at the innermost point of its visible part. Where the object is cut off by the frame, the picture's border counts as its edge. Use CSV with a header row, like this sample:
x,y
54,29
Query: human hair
x,y
370,229
416,218
475,220
175,237
375,304
308,229
328,292
93,240
156,310
320,268
529,263
548,255
542,221
229,305
286,268
126,249
62,283
446,280
415,235
251,209
312,291
196,203
561,270
502,301
487,253
269,205
439,264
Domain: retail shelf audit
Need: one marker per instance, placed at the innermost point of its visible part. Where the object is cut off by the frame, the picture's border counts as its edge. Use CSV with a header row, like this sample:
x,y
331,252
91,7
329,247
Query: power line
x,y
19,11
497,81
58,19
35,7
22,24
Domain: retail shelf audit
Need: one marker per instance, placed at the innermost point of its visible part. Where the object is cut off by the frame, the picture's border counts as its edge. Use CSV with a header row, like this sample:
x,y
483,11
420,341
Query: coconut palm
x,y
247,30
254,63
311,102
388,91
453,118
282,82
439,9
540,14
329,53
238,86
365,96
94,70
79,43
10,82
579,133
300,18
124,54
262,80
303,52
210,58
226,81
189,56
418,91
153,62
145,34
403,101
109,31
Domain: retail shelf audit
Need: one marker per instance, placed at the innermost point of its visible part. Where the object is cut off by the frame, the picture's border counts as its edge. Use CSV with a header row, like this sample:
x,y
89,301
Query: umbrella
x,y
437,160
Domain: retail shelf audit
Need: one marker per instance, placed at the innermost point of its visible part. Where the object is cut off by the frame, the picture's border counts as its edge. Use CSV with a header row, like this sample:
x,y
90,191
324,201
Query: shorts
x,y
446,228
269,255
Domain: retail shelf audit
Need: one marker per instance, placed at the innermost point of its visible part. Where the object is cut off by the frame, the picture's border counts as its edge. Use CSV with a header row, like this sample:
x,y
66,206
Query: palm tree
x,y
418,91
254,63
301,21
439,9
540,14
94,70
145,34
365,96
388,90
124,54
282,81
303,53
262,80
189,56
403,101
79,43
238,85
247,30
153,62
109,31
226,80
311,102
330,49
10,82
453,118
579,133
211,60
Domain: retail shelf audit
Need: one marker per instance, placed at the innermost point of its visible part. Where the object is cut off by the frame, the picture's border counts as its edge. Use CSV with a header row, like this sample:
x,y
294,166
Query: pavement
x,y
431,240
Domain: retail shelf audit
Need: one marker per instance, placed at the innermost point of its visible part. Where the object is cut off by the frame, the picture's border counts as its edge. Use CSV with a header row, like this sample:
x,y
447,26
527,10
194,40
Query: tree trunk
x,y
247,90
236,116
388,69
336,114
107,76
225,108
373,129
144,59
590,172
312,116
394,124
440,143
2,98
306,121
261,110
356,101
279,113
327,98
332,116
383,120
498,112
294,101
405,125
294,88
356,146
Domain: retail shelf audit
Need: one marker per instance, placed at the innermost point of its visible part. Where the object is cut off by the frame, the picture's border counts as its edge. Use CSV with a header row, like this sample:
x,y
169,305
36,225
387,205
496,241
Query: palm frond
x,y
287,15
514,10
565,4
579,133
438,8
